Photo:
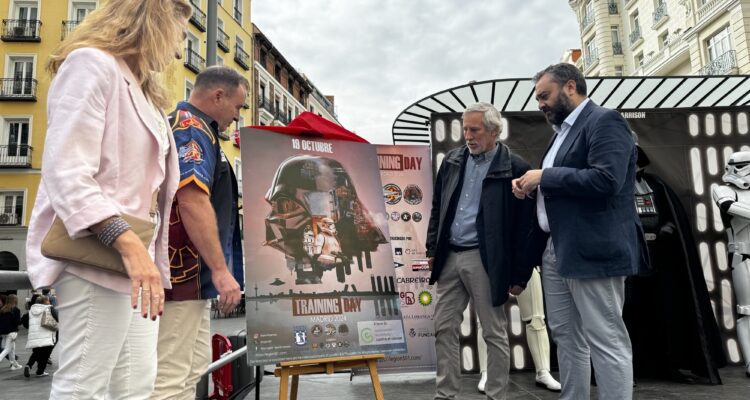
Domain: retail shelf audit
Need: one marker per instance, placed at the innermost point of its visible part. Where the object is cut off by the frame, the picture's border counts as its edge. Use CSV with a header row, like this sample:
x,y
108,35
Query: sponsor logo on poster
x,y
407,298
395,216
405,216
417,216
300,335
375,333
413,195
316,330
420,265
391,193
398,251
413,279
425,298
365,336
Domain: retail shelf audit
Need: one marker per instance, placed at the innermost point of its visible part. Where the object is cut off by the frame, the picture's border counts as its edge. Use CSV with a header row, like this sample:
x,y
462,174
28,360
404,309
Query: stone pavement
x,y
13,385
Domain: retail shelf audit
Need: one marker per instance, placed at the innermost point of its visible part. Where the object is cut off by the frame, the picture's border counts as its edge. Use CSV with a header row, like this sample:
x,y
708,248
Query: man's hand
x,y
229,289
430,260
526,184
515,290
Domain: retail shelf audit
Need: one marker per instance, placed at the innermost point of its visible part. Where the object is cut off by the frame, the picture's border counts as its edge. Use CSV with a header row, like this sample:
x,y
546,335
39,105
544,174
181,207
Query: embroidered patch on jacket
x,y
187,119
191,152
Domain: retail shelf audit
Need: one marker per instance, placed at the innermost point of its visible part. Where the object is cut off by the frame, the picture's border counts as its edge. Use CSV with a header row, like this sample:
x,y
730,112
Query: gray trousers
x,y
585,319
463,278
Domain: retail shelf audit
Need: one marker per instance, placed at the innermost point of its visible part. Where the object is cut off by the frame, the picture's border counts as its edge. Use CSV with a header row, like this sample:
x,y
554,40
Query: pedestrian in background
x,y
10,318
41,339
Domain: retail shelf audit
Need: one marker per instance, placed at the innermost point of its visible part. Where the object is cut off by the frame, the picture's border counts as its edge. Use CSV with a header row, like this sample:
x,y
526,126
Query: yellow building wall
x,y
52,13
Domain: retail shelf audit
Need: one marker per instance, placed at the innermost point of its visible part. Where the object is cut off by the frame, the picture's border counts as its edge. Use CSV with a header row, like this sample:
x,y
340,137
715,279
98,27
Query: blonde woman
x,y
108,149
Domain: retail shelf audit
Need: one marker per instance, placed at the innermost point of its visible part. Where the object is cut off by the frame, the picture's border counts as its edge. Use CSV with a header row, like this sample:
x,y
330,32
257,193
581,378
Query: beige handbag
x,y
48,321
58,245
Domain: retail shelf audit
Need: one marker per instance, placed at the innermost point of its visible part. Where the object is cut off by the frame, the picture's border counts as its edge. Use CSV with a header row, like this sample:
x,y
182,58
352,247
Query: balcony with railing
x,y
587,21
324,102
659,16
198,18
708,8
612,8
17,89
10,219
222,40
265,104
617,48
15,156
590,59
725,64
635,36
21,30
67,27
193,61
241,57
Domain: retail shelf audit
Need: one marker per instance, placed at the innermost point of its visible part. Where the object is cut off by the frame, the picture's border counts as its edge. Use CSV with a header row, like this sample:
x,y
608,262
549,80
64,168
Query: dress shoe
x,y
545,380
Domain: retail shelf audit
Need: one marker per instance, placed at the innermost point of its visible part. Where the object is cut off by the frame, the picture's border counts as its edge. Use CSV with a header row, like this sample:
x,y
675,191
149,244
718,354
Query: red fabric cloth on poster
x,y
311,125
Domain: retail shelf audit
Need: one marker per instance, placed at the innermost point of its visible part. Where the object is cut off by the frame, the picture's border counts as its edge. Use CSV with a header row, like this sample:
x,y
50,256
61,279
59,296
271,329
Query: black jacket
x,y
9,321
502,222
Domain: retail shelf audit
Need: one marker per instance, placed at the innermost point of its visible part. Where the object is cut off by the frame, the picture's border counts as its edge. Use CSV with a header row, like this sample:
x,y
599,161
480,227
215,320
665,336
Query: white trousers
x,y
106,349
9,347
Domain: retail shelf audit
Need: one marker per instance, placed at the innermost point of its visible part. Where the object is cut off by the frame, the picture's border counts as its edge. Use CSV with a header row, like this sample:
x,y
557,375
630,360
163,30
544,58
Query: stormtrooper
x,y
733,200
530,303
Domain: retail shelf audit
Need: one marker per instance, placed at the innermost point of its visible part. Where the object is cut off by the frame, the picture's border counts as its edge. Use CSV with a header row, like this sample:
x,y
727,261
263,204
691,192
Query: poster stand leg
x,y
327,366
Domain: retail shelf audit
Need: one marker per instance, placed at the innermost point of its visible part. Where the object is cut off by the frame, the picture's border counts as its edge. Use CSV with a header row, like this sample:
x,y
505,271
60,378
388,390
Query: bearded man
x,y
587,235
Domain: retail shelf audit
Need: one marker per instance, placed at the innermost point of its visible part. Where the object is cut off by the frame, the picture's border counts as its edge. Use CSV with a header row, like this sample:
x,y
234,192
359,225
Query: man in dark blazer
x,y
474,248
586,235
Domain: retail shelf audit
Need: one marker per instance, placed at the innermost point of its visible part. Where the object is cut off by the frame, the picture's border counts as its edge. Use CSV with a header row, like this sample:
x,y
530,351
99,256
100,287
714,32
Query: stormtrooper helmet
x,y
327,226
738,169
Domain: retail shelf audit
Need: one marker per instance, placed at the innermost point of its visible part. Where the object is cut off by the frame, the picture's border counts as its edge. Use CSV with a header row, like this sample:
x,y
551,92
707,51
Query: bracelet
x,y
116,227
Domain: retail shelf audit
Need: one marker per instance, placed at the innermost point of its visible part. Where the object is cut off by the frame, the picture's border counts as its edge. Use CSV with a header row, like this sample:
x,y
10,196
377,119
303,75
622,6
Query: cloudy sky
x,y
379,56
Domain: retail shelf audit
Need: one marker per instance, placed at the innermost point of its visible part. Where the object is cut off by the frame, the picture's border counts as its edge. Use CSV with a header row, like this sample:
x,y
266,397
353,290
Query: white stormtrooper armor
x,y
733,200
531,305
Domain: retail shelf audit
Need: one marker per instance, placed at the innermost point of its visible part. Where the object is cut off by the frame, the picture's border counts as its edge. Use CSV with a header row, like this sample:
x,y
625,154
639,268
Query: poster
x,y
406,173
319,269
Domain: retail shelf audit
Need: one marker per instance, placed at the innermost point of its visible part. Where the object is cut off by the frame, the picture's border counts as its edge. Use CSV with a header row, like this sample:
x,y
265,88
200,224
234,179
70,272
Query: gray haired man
x,y
474,243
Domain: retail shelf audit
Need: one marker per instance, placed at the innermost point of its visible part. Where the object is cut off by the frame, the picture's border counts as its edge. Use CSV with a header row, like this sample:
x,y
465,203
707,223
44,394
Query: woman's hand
x,y
144,275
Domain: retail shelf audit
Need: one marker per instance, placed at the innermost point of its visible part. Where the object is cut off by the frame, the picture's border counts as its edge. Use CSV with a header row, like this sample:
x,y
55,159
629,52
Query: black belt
x,y
460,249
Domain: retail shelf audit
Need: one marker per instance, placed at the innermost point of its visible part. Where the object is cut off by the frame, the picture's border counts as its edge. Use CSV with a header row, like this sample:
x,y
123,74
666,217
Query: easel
x,y
328,366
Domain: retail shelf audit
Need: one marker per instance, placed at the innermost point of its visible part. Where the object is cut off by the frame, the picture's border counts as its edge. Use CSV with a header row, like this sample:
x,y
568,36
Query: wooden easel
x,y
328,366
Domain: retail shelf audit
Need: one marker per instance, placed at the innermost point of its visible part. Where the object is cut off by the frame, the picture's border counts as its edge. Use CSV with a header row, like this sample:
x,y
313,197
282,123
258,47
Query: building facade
x,y
320,104
282,92
31,30
663,37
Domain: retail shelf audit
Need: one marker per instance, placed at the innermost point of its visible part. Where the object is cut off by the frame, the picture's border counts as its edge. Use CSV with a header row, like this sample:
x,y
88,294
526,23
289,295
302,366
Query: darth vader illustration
x,y
317,220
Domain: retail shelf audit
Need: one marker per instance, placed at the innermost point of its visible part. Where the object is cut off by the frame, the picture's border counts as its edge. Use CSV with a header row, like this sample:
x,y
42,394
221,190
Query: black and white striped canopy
x,y
622,93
